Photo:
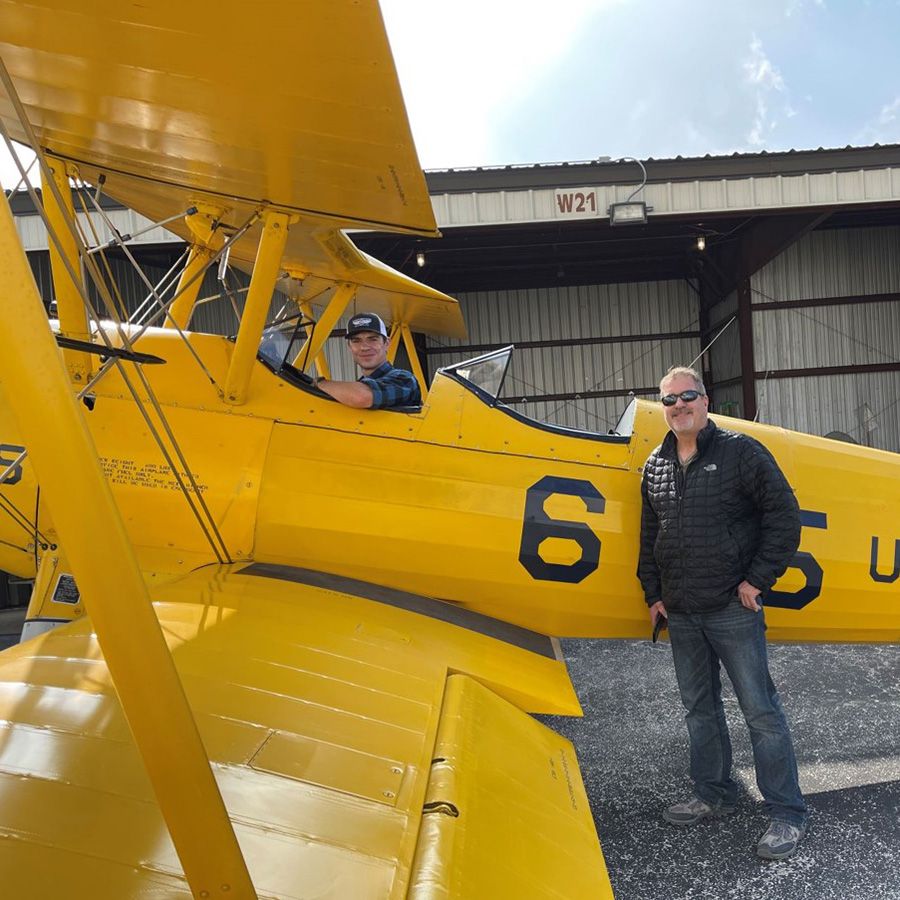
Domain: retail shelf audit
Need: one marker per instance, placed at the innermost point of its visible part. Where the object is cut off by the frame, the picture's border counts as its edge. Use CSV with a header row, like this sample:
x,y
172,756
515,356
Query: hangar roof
x,y
506,227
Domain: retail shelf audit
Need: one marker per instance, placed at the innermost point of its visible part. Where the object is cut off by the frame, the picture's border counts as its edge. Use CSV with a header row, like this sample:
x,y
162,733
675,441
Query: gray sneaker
x,y
780,840
692,811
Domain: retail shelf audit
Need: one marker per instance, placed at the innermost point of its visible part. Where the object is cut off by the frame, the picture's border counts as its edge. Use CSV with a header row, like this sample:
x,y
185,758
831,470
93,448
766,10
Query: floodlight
x,y
634,213
631,211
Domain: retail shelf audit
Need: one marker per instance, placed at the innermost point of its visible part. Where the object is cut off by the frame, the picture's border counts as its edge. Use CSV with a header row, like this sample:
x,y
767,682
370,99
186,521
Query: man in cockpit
x,y
381,385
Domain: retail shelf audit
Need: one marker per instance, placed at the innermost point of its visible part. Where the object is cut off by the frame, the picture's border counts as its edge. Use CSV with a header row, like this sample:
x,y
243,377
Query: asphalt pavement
x,y
843,703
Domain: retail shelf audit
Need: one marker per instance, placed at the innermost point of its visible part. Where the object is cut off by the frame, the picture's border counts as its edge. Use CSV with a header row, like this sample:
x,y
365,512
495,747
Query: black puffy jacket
x,y
731,516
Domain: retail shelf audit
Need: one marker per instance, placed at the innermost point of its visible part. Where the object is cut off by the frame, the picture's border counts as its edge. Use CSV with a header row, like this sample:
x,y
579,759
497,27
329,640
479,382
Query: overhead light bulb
x,y
420,259
701,242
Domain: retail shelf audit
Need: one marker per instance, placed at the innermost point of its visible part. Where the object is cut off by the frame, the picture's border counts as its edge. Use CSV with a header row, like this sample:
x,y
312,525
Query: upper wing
x,y
279,105
297,104
360,737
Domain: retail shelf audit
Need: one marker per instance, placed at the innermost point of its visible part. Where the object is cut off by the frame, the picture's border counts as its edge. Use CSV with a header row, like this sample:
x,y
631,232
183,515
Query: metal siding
x,y
570,313
567,313
216,316
841,263
728,401
720,312
762,192
823,264
854,334
33,234
819,405
725,354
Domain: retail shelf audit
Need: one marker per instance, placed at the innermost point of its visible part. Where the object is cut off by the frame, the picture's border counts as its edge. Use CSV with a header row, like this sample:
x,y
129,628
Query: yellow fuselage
x,y
462,501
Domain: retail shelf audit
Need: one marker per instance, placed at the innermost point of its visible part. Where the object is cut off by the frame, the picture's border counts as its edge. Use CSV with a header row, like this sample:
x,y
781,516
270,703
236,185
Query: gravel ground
x,y
843,703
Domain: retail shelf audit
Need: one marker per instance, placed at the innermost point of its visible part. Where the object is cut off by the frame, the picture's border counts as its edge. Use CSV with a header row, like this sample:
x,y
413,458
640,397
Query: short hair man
x,y
719,525
381,385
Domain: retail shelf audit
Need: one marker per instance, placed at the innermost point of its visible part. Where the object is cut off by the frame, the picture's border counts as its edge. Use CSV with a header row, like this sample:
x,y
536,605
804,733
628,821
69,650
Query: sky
x,y
500,82
489,82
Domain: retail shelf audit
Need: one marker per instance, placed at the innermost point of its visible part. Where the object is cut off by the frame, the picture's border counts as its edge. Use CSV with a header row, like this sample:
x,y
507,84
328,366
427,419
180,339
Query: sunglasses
x,y
687,396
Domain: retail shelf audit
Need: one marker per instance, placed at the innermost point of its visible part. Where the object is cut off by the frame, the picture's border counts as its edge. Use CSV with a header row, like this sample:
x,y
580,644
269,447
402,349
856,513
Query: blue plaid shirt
x,y
392,387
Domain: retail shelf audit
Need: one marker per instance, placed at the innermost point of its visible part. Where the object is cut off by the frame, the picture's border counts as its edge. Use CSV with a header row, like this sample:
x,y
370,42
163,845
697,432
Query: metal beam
x,y
567,342
826,301
821,371
745,326
322,366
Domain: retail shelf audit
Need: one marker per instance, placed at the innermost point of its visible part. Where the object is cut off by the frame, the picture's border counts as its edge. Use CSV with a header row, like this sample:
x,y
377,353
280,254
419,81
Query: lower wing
x,y
367,743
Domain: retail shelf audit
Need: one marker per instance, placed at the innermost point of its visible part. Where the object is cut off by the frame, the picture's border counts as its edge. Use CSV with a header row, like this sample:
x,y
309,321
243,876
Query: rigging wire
x,y
162,288
37,507
722,331
10,508
126,250
105,296
226,246
20,519
844,336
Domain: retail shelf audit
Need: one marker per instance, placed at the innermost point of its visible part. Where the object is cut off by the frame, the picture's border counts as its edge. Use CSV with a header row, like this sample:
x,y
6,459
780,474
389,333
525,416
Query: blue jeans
x,y
736,638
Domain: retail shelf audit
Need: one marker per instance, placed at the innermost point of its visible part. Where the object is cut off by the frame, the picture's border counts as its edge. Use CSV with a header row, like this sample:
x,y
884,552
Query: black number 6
x,y
538,526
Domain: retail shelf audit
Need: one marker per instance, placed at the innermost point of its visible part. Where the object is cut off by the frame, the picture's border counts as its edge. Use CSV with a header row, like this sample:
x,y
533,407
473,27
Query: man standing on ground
x,y
719,525
381,385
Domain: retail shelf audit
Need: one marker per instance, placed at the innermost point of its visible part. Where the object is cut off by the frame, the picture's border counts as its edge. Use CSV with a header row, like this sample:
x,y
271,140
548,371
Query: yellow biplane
x,y
298,644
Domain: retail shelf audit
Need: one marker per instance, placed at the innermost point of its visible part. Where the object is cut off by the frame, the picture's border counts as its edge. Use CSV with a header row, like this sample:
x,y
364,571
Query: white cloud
x,y
461,62
759,70
882,127
889,112
764,78
795,6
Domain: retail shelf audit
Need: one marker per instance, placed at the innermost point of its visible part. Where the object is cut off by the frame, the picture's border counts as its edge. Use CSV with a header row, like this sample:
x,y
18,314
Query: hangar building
x,y
779,273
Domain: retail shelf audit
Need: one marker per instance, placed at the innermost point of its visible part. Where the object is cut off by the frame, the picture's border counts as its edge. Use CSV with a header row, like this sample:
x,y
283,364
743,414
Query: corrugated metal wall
x,y
826,264
216,316
569,314
864,406
725,353
833,263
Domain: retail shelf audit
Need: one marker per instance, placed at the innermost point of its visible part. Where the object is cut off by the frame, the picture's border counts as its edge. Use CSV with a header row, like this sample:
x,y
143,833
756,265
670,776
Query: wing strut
x,y
152,698
207,242
331,315
73,320
259,298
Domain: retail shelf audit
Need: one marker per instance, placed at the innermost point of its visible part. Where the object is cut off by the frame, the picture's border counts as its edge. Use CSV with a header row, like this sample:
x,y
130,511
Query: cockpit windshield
x,y
485,376
282,340
486,373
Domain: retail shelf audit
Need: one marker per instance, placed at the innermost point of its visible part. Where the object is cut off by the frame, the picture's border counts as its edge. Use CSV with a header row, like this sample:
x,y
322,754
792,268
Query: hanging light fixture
x,y
631,211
